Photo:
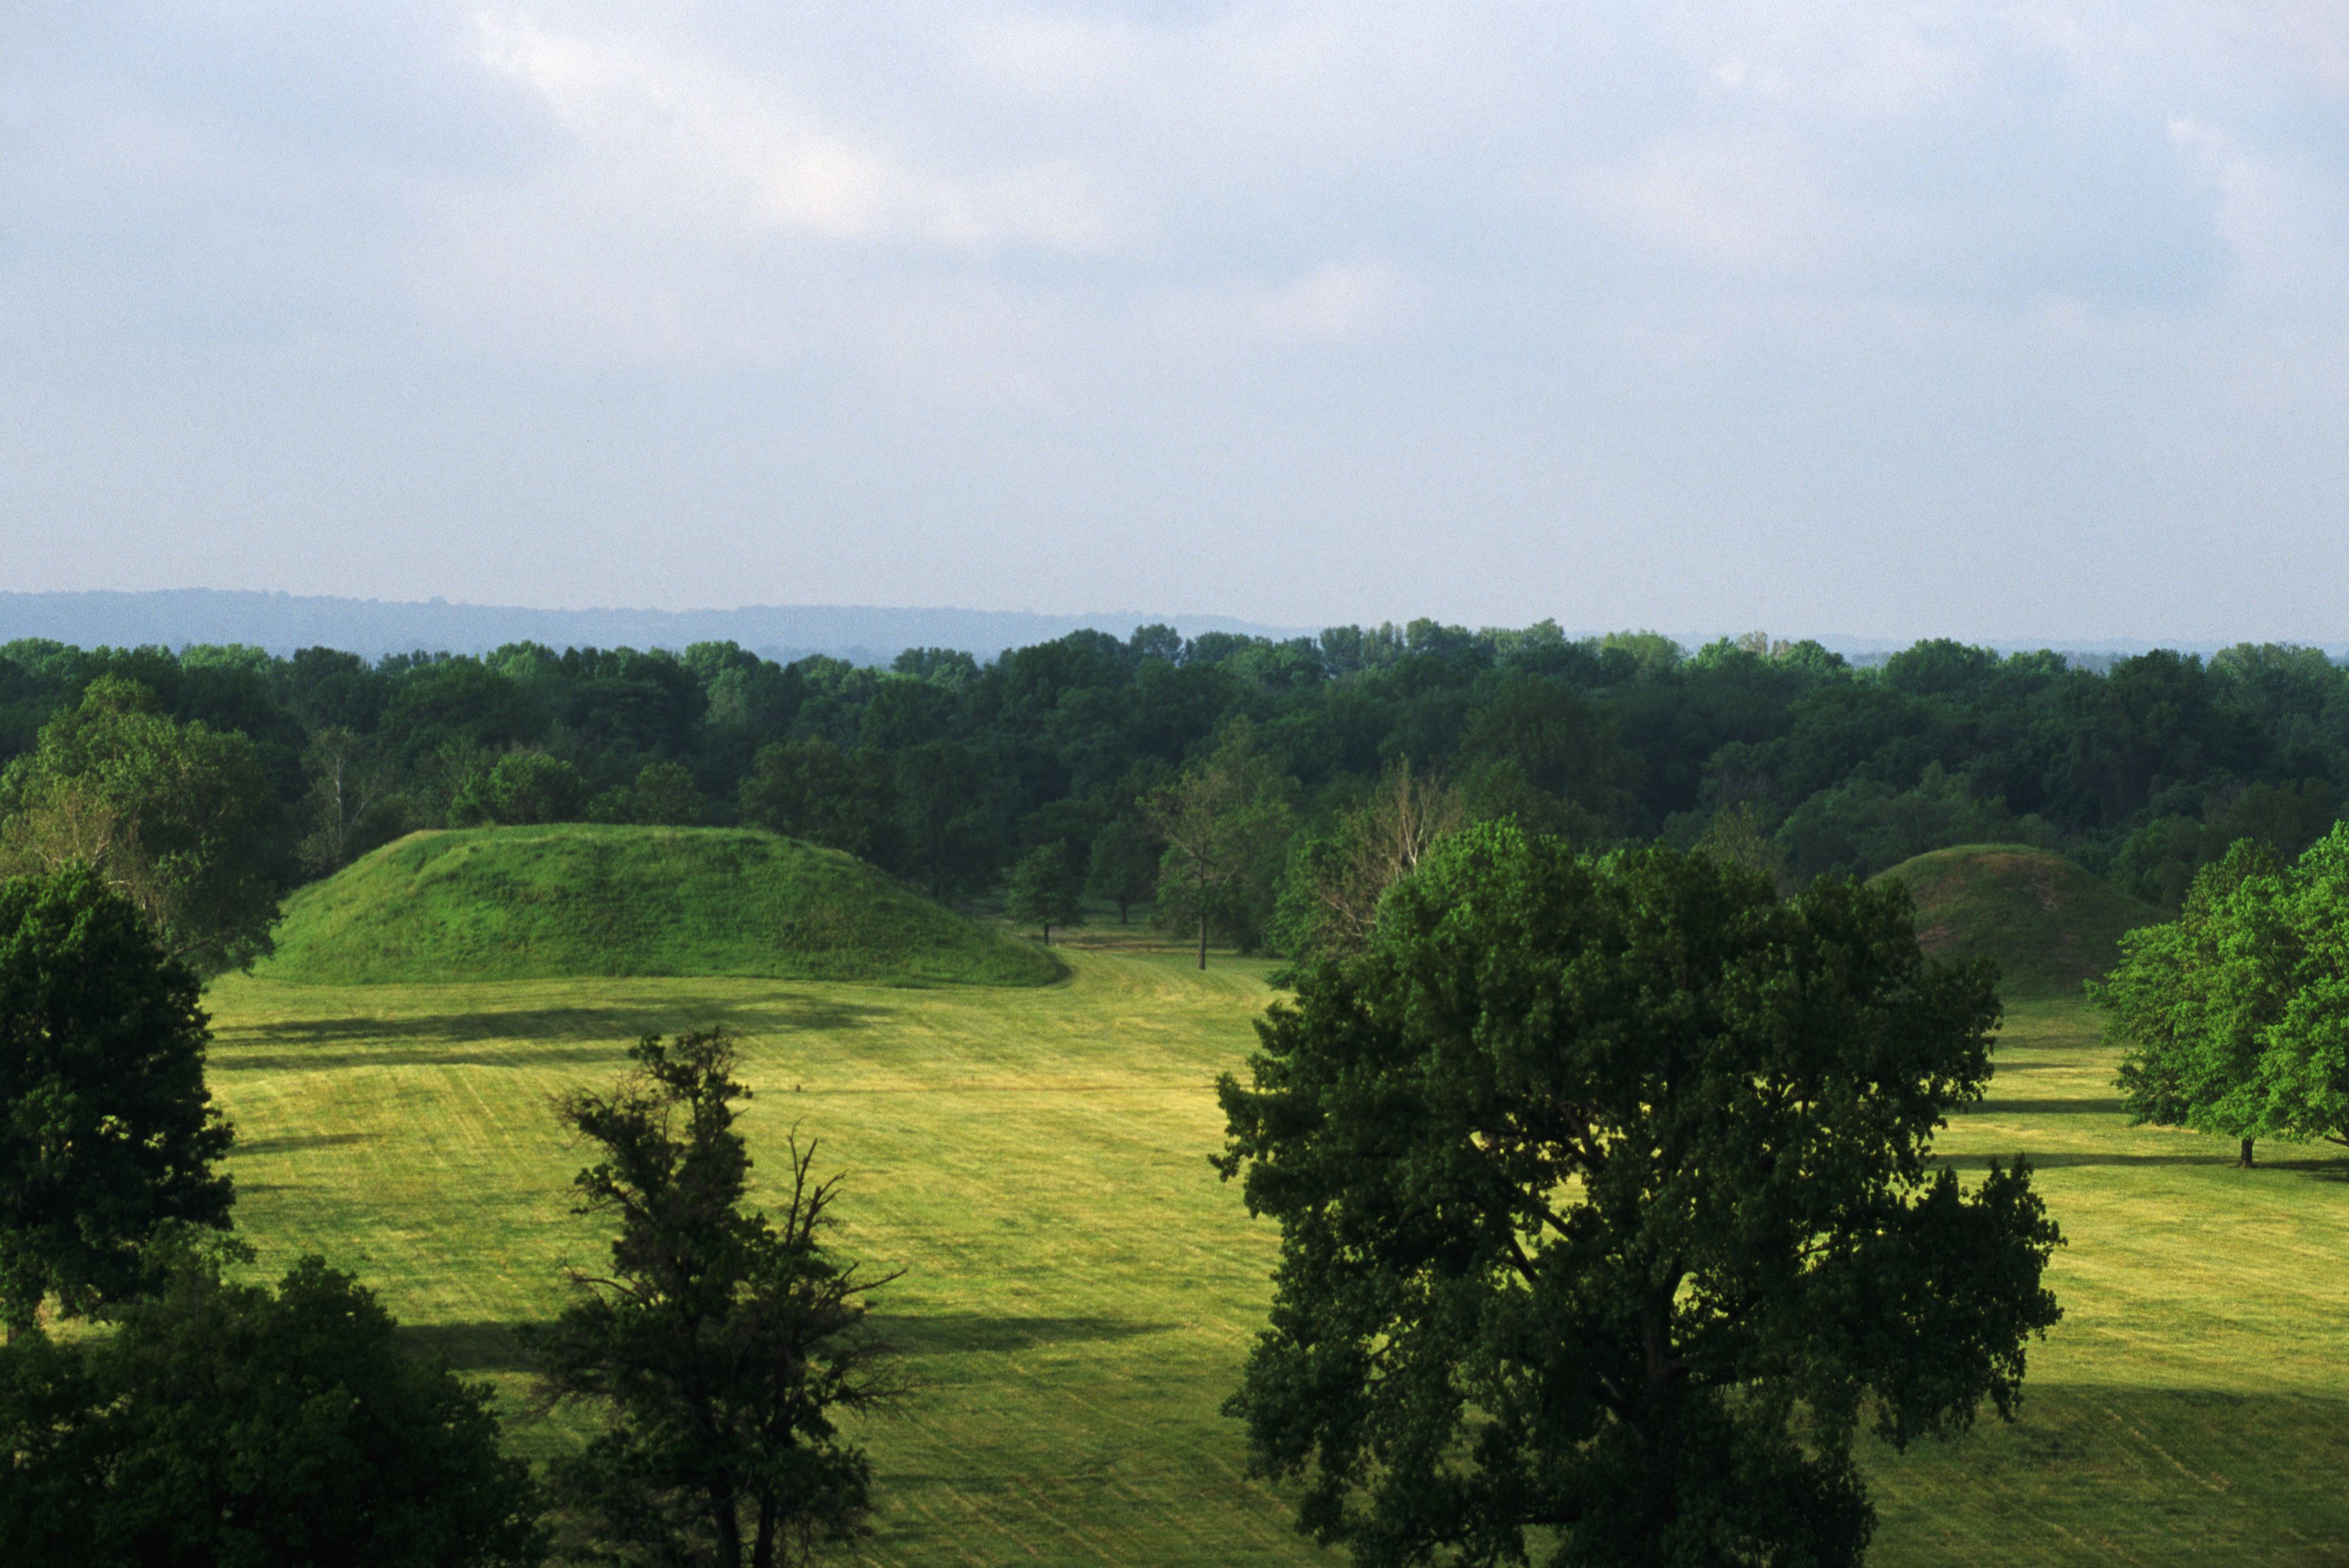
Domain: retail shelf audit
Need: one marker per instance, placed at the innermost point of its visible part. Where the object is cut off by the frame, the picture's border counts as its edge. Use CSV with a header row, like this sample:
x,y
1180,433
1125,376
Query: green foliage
x,y
510,904
177,817
1607,1207
813,789
2046,924
106,1132
722,1347
1225,826
949,829
2234,1018
1336,878
2159,860
2189,1002
1735,838
1865,826
225,1426
1045,891
1121,868
663,796
522,789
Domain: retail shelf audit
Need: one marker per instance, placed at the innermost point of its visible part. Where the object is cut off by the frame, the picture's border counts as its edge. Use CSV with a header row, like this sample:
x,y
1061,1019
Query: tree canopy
x,y
227,1426
1045,890
106,1132
2234,1017
1607,1209
1225,824
177,817
2190,1002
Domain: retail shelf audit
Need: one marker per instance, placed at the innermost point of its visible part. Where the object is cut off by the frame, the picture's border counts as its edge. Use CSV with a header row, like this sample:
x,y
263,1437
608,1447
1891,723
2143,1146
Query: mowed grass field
x,y
1080,1289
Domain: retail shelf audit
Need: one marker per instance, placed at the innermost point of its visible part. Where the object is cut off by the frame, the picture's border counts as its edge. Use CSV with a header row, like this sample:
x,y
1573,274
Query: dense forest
x,y
947,772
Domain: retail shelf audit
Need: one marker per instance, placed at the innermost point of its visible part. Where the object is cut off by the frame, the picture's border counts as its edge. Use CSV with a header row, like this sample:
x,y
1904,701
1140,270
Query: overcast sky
x,y
2003,321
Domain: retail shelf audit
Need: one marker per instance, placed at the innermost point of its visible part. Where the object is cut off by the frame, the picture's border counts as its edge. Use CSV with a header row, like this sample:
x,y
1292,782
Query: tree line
x,y
1223,777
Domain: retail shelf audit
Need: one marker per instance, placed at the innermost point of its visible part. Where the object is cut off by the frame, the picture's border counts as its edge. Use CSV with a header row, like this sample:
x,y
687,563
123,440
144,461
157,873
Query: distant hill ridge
x,y
573,900
865,634
282,623
2047,922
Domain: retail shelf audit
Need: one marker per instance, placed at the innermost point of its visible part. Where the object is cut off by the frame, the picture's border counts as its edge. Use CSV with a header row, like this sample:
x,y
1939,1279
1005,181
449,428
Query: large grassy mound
x,y
2048,923
541,903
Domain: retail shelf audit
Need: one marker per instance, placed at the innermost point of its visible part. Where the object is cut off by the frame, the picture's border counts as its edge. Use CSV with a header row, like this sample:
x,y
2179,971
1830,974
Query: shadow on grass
x,y
975,1334
499,1346
517,1056
470,1347
2107,1106
297,1144
2335,1169
524,1037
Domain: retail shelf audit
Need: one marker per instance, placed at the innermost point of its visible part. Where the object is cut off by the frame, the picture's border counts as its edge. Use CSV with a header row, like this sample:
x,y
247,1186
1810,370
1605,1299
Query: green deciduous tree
x,y
1608,1209
106,1132
177,817
1121,868
947,830
1044,891
663,795
225,1426
2289,943
721,1346
2191,1004
813,789
1225,826
523,788
1735,837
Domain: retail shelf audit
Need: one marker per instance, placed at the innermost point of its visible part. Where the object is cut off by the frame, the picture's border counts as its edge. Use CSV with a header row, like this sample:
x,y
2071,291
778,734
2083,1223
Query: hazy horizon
x,y
870,634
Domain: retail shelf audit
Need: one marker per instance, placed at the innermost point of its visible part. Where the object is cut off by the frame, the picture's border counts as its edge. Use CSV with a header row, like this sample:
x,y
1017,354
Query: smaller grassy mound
x,y
2048,923
542,903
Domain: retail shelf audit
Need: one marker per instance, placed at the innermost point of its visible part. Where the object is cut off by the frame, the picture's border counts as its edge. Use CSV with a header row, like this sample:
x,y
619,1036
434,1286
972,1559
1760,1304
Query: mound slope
x,y
2048,923
535,904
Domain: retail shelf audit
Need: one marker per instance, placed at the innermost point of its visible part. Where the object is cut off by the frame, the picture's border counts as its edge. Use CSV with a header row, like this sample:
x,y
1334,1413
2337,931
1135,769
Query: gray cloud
x,y
2003,320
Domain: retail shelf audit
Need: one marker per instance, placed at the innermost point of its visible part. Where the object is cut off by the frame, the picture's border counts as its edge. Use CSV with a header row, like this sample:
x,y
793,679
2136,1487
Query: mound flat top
x,y
2047,922
581,900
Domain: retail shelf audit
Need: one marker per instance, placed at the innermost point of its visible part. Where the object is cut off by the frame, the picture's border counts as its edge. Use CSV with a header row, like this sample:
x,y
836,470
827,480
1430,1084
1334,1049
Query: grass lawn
x,y
1080,1289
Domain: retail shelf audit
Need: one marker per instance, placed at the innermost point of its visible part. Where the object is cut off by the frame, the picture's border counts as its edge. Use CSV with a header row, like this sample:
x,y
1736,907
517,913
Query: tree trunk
x,y
762,1549
1048,933
728,1520
1121,907
2245,1162
1203,942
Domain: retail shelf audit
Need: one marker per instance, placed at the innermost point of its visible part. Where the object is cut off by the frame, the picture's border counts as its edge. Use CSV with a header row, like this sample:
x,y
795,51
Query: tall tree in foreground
x,y
177,817
1225,825
225,1426
106,1132
722,1347
1607,1208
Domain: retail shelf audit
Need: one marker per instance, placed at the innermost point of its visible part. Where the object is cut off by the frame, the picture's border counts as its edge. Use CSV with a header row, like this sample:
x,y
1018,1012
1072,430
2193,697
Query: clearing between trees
x,y
1081,1290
